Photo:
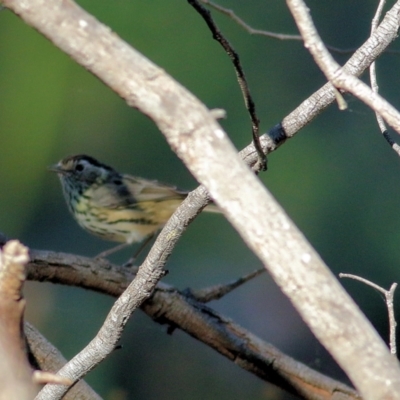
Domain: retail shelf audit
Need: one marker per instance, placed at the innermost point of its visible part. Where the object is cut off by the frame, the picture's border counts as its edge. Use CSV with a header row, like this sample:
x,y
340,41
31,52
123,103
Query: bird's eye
x,y
117,182
79,167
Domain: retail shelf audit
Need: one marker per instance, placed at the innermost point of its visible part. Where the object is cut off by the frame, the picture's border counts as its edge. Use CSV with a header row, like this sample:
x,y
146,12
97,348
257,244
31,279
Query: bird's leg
x,y
130,262
113,250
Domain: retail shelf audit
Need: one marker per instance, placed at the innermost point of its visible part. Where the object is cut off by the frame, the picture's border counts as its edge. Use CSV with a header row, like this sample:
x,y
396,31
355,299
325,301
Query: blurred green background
x,y
337,179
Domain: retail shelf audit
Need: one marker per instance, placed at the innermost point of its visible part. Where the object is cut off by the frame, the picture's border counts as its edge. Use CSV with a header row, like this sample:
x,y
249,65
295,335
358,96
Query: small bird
x,y
116,207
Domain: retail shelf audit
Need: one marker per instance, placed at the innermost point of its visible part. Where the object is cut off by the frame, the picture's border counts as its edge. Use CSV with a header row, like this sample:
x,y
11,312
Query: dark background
x,y
337,179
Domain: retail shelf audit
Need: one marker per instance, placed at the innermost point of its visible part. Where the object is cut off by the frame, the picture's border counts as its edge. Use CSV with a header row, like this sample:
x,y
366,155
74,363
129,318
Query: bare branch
x,y
147,276
372,68
310,108
273,35
171,307
15,372
338,76
48,358
140,289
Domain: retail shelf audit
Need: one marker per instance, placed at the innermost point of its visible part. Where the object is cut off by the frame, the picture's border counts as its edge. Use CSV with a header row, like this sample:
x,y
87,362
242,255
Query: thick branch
x,y
176,309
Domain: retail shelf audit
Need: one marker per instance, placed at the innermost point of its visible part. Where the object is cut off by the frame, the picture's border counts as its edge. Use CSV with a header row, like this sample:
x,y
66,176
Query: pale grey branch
x,y
340,77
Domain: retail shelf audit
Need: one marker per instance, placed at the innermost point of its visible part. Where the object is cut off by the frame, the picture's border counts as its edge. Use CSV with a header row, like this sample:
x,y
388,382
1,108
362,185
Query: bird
x,y
114,206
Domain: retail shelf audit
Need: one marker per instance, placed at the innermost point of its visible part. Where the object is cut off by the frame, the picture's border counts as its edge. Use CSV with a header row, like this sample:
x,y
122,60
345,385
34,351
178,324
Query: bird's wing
x,y
146,190
126,190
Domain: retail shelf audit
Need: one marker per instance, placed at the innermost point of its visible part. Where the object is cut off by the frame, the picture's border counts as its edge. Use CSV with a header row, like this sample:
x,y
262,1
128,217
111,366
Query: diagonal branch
x,y
315,104
338,76
139,290
49,359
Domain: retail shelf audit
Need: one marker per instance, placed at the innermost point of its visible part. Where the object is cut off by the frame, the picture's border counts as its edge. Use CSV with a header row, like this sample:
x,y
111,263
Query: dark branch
x,y
248,100
169,306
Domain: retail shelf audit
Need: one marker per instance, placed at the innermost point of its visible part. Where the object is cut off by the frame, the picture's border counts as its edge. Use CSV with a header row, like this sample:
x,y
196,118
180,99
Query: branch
x,y
140,289
231,14
48,358
15,372
315,104
181,311
338,76
217,292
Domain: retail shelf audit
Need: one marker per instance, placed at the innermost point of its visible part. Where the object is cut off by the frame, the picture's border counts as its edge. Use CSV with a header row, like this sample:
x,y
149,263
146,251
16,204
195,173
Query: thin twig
x,y
43,378
274,35
216,292
231,14
372,68
260,32
244,87
389,295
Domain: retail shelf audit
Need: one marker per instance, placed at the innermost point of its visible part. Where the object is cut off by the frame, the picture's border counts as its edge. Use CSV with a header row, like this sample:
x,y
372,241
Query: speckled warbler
x,y
114,206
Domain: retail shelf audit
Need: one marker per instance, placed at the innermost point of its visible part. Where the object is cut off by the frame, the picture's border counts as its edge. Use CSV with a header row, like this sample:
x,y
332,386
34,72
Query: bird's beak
x,y
56,168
